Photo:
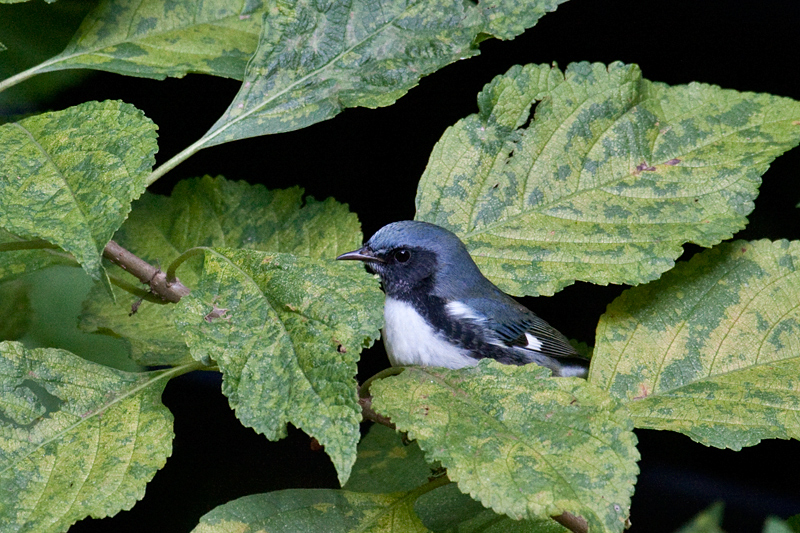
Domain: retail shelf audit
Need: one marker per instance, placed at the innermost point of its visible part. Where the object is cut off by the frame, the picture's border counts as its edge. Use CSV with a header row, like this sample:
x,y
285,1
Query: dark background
x,y
372,160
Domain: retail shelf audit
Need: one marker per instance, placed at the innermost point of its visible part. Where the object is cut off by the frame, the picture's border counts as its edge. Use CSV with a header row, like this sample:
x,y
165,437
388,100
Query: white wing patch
x,y
533,342
409,340
457,309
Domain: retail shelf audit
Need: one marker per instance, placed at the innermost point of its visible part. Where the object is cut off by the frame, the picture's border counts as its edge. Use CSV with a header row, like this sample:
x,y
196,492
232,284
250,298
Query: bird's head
x,y
412,256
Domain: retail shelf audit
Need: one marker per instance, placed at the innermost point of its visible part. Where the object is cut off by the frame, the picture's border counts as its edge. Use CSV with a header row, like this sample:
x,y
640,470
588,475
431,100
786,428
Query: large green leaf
x,y
522,443
315,59
712,349
386,464
68,177
77,439
314,510
286,332
211,212
610,177
160,38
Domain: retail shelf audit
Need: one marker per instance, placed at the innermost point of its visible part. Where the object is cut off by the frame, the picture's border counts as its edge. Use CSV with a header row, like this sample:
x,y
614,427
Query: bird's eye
x,y
401,256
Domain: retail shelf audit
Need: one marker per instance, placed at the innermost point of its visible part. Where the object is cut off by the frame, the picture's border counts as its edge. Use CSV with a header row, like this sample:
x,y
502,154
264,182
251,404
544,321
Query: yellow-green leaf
x,y
286,332
522,443
712,349
69,177
605,179
76,438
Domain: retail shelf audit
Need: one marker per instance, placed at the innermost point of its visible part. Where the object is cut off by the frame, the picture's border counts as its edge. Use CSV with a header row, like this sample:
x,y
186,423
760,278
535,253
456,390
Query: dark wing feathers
x,y
510,323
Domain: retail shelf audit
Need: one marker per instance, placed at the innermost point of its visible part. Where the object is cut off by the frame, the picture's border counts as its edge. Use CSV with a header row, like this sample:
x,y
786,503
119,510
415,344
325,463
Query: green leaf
x,y
68,177
774,524
708,521
448,509
711,349
160,38
315,59
314,510
612,175
523,444
286,332
14,263
15,310
77,439
210,212
386,464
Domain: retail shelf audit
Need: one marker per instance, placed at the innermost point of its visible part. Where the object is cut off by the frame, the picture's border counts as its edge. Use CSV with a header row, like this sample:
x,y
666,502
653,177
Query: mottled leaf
x,y
708,521
386,464
606,180
522,443
286,332
160,38
14,263
314,510
211,212
712,349
315,59
68,177
77,439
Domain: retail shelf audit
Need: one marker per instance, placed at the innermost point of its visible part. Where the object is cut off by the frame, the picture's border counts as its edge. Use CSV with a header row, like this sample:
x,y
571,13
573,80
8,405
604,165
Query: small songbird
x,y
441,311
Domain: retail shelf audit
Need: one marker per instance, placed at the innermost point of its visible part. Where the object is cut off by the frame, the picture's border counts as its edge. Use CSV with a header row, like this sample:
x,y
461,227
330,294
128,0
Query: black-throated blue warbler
x,y
441,311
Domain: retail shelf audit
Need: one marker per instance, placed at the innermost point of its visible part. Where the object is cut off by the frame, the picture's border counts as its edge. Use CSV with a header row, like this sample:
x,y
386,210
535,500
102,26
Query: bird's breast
x,y
410,340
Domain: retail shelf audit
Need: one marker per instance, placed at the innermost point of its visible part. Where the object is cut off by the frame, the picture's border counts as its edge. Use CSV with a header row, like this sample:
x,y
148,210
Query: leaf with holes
x,y
712,349
210,212
606,179
160,38
520,442
286,332
69,177
77,439
315,59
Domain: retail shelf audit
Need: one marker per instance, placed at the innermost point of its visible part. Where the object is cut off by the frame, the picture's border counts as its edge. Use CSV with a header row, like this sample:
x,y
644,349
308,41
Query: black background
x,y
372,160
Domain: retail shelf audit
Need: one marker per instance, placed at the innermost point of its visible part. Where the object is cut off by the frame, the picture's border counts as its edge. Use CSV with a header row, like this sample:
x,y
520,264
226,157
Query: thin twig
x,y
368,413
169,290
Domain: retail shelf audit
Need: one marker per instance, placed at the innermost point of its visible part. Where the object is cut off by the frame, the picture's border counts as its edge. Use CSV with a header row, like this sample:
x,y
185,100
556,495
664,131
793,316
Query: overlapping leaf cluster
x,y
590,174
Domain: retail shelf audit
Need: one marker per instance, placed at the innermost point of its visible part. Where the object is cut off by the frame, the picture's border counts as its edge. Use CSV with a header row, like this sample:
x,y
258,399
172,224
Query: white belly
x,y
409,340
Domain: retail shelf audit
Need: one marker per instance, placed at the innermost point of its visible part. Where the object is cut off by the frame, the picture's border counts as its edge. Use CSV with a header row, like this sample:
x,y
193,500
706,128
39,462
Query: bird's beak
x,y
363,254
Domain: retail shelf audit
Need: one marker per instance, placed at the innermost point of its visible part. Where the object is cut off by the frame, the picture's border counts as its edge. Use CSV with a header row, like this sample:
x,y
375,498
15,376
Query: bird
x,y
441,311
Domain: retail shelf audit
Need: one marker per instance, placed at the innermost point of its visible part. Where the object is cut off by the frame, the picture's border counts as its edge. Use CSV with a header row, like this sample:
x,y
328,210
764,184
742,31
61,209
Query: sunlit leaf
x,y
286,332
522,443
712,349
315,59
607,177
160,38
77,439
69,177
314,510
210,212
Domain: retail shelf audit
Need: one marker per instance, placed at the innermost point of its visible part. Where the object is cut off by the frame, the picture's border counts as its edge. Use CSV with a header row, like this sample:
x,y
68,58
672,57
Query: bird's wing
x,y
516,326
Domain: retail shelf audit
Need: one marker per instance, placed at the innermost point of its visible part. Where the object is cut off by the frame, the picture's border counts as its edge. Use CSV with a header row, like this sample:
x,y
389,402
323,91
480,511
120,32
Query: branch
x,y
368,413
576,524
170,290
